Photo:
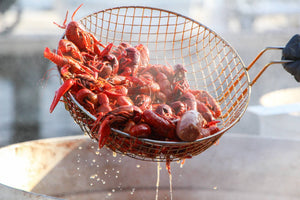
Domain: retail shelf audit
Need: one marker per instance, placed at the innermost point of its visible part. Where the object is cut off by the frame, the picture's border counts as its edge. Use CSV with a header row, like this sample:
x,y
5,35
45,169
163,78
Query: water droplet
x,y
117,176
132,191
94,160
109,194
93,176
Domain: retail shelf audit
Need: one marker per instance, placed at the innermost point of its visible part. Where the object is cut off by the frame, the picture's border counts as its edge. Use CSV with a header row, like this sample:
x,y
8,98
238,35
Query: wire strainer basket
x,y
211,63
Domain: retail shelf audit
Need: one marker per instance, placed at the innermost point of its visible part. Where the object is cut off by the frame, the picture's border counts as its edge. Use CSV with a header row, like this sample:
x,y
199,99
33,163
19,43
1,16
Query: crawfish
x,y
180,83
189,99
166,111
160,125
208,100
160,97
84,40
179,72
155,69
143,85
179,107
108,67
101,85
111,60
144,55
87,99
118,52
67,66
116,118
68,48
164,84
129,61
77,82
208,131
142,130
104,104
205,111
124,101
143,101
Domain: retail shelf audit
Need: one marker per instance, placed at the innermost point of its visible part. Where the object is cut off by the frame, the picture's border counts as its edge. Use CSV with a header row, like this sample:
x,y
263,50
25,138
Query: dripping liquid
x,y
100,177
157,180
168,167
170,182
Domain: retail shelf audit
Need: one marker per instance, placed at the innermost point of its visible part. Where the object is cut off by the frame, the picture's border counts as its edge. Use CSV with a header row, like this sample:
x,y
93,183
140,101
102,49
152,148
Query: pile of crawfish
x,y
118,85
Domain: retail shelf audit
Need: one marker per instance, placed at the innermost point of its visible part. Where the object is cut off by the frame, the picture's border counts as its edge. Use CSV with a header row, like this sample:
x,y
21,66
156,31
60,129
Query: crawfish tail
x,y
55,58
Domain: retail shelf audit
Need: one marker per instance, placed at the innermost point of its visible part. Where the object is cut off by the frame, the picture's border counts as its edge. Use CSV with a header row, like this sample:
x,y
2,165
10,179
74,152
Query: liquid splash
x,y
107,166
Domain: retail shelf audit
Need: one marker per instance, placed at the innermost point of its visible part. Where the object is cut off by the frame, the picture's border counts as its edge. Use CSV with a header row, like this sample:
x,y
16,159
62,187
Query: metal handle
x,y
267,65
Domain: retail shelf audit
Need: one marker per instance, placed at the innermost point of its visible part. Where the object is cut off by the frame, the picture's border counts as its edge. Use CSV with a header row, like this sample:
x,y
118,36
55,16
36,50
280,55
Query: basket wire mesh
x,y
211,63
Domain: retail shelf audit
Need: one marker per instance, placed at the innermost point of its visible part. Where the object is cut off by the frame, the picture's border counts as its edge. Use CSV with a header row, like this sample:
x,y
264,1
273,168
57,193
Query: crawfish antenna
x,y
64,24
76,12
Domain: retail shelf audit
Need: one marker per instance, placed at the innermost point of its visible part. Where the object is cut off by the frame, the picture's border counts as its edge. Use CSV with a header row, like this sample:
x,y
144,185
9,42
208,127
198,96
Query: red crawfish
x,y
129,61
66,65
161,126
116,118
80,81
209,101
84,40
104,104
87,99
144,55
68,48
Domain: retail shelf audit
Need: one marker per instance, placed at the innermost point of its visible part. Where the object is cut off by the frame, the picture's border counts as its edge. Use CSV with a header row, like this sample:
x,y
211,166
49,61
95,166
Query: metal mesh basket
x,y
211,63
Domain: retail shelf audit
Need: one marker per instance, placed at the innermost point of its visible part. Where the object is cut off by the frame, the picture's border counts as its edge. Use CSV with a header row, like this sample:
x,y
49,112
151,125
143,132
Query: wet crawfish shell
x,y
141,130
160,126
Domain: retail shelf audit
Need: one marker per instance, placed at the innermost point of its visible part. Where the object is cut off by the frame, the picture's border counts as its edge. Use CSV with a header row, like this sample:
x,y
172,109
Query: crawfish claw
x,y
60,92
104,131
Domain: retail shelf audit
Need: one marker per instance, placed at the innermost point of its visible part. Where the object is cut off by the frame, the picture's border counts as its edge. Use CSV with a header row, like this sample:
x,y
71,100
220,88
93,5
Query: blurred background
x,y
28,83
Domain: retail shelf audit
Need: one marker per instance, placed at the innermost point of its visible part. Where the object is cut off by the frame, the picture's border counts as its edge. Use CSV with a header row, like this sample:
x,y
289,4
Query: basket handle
x,y
267,65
